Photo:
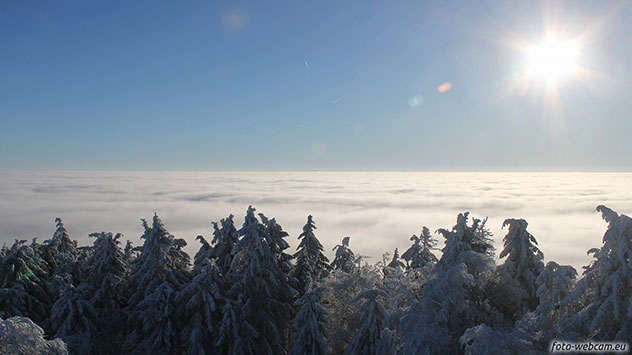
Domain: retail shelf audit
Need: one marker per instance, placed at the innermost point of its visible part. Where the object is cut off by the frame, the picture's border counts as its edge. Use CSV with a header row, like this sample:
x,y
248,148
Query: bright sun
x,y
552,59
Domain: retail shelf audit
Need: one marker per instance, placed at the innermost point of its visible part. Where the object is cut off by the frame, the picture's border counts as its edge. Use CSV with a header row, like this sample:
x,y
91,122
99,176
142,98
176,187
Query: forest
x,y
246,292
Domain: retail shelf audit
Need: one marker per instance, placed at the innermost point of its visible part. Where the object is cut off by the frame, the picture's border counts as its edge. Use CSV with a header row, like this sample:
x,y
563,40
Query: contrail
x,y
306,65
338,99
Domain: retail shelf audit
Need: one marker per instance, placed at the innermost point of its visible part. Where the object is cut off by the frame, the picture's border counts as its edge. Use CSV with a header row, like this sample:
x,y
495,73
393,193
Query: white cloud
x,y
380,211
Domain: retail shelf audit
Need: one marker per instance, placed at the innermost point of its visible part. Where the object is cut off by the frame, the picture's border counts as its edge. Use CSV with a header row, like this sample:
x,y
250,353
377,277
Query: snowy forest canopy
x,y
245,292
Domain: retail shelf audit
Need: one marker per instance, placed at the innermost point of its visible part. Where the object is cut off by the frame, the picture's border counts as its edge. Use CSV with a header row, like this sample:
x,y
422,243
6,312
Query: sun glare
x,y
552,59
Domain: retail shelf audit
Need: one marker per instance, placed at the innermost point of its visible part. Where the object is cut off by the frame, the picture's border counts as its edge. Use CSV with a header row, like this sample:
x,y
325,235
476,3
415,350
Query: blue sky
x,y
309,85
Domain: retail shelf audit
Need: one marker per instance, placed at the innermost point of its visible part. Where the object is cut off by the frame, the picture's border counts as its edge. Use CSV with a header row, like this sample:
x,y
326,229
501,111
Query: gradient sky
x,y
329,85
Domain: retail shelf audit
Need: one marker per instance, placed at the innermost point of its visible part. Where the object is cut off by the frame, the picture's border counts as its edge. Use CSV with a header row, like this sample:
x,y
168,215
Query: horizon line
x,y
322,170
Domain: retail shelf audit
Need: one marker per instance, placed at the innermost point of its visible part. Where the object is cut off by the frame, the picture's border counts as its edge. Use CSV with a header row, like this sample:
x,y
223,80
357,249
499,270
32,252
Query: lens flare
x,y
416,101
445,87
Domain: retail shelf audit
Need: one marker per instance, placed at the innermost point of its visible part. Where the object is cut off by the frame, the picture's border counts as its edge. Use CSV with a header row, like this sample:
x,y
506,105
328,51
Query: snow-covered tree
x,y
72,316
369,339
67,257
203,255
524,260
19,335
555,282
84,253
601,304
482,339
106,270
464,241
65,246
404,291
261,292
15,301
340,289
24,279
200,301
239,298
158,273
228,333
275,238
311,325
345,259
156,325
224,240
448,306
540,327
420,253
311,263
515,293
129,253
456,299
395,262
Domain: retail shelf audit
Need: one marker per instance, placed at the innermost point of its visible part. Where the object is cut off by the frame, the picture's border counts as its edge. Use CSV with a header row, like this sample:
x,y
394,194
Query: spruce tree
x,y
158,273
65,253
555,283
369,338
345,259
456,298
200,303
311,263
73,317
66,246
203,254
24,283
464,240
311,325
260,292
420,254
228,334
395,263
224,240
129,253
275,238
601,304
516,290
106,272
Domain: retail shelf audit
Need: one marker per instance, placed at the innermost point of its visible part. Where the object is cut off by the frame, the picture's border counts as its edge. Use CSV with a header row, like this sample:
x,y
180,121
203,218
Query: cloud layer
x,y
379,210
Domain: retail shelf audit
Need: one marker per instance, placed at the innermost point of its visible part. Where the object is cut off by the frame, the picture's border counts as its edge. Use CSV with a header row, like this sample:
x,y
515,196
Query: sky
x,y
327,85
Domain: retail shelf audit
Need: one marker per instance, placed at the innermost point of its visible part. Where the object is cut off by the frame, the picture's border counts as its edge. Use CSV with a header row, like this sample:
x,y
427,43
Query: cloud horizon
x,y
378,210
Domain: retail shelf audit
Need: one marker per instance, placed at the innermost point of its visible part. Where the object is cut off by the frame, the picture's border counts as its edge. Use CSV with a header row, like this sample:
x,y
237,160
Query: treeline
x,y
245,293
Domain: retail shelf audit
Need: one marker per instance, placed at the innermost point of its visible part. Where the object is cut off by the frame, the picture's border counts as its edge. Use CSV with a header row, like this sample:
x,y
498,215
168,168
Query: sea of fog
x,y
378,210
